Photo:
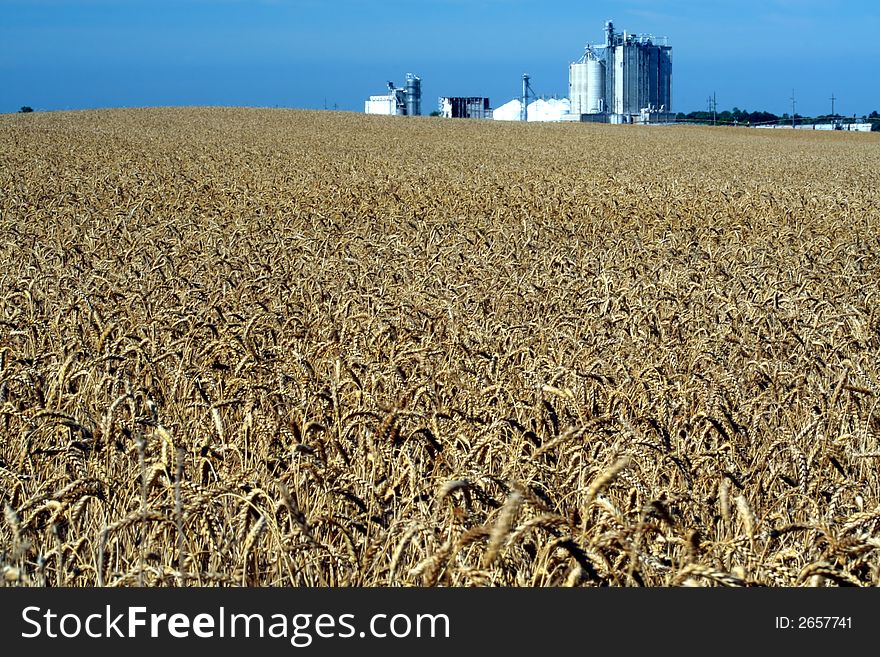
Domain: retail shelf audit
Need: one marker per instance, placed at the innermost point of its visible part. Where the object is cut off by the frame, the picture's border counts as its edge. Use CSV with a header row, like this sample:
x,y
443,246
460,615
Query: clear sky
x,y
60,54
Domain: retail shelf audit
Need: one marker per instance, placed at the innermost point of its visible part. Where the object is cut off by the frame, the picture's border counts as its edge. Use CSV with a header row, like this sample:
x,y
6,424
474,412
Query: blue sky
x,y
60,54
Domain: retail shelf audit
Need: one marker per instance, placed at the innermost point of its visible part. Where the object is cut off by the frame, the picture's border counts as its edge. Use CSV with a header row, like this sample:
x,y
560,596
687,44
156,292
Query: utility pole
x,y
832,105
713,107
793,103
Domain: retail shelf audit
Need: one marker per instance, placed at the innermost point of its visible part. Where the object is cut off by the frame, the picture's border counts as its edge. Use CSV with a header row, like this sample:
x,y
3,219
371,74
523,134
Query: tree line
x,y
737,116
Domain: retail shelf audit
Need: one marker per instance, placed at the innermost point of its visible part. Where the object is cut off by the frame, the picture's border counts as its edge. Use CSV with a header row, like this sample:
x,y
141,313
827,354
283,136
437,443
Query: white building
x,y
845,127
549,110
381,105
406,101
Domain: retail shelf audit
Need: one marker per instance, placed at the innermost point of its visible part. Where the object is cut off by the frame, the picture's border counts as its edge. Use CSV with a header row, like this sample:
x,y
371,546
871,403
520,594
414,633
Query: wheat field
x,y
252,347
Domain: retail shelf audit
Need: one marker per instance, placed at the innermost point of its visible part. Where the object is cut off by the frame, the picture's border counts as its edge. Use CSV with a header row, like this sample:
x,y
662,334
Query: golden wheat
x,y
267,347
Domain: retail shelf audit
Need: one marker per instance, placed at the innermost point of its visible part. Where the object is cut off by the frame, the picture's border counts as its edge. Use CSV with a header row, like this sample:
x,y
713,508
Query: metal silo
x,y
626,74
578,87
595,84
413,95
664,91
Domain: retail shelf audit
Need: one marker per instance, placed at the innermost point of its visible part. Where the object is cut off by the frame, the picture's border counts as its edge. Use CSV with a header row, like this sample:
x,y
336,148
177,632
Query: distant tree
x,y
700,117
763,117
435,113
740,116
736,116
25,109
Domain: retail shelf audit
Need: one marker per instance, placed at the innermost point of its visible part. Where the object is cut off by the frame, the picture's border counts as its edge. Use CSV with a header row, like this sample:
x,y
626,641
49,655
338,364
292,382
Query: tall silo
x,y
664,74
413,95
631,76
578,86
595,70
619,93
610,77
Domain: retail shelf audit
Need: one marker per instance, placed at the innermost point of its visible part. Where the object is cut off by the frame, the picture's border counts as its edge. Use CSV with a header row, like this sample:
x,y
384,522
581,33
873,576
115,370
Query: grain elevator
x,y
625,79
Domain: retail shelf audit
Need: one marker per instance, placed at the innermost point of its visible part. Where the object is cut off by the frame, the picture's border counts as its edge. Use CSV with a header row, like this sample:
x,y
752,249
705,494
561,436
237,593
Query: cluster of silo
x,y
406,101
621,79
625,79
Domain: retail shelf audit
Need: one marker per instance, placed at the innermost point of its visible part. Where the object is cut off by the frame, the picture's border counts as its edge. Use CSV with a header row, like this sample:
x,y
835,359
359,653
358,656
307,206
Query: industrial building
x,y
626,79
406,101
541,109
855,126
465,107
537,109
